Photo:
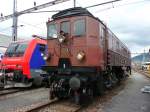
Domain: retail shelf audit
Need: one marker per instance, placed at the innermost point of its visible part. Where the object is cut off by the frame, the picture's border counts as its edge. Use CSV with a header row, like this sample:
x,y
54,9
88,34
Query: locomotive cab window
x,y
52,31
65,27
16,49
21,48
79,27
42,47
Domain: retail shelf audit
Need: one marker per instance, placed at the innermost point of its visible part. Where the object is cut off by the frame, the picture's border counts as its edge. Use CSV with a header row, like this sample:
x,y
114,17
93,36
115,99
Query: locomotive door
x,y
64,48
105,46
104,42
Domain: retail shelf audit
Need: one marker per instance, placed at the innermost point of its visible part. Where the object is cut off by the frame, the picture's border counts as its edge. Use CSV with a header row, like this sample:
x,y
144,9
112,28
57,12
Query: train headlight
x,y
45,57
80,56
42,54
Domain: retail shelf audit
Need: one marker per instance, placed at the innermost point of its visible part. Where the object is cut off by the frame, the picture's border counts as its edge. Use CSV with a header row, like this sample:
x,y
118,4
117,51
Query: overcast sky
x,y
128,19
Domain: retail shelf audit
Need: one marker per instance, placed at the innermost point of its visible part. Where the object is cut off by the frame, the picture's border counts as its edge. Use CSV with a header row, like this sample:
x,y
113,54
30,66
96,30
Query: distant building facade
x,y
4,42
146,66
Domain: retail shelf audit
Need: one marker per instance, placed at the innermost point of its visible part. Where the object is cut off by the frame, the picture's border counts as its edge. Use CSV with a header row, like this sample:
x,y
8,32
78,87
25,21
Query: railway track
x,y
55,106
8,91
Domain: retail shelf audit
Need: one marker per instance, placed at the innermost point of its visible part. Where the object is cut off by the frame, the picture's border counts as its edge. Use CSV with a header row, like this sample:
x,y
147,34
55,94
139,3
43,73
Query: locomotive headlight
x,y
80,56
45,57
42,54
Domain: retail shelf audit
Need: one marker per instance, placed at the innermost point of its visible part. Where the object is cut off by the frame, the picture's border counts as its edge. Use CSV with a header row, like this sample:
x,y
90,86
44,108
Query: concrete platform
x,y
131,99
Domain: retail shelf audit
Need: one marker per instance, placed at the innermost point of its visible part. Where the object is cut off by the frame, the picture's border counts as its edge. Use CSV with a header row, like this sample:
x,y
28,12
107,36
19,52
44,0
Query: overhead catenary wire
x,y
91,6
35,26
45,11
45,5
116,6
109,2
104,3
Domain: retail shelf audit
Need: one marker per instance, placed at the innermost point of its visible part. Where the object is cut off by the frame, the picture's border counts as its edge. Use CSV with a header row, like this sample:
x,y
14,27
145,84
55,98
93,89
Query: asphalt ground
x,y
23,100
130,99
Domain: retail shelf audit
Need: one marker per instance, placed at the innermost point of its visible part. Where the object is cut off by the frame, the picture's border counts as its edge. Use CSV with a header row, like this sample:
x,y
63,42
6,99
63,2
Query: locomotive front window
x,y
11,49
79,28
21,48
16,49
52,31
65,27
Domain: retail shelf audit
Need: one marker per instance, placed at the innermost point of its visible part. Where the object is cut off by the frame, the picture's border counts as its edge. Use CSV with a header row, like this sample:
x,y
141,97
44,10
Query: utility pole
x,y
16,14
15,22
74,3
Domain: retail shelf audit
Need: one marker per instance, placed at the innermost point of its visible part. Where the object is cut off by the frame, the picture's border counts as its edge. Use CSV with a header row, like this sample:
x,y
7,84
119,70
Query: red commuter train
x,y
21,64
84,55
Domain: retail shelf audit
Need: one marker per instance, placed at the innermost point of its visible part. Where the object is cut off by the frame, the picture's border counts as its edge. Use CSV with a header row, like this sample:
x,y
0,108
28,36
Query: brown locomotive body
x,y
83,54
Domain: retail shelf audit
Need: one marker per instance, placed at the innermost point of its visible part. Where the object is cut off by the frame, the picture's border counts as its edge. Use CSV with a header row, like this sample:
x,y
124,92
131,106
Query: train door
x,y
104,42
66,32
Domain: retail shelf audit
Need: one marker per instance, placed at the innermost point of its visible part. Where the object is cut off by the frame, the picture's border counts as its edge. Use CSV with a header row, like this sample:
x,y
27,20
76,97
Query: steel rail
x,y
50,103
35,109
4,92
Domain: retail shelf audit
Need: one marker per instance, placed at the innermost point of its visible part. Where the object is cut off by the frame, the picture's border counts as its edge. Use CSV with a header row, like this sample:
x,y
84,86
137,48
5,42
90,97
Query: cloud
x,y
131,25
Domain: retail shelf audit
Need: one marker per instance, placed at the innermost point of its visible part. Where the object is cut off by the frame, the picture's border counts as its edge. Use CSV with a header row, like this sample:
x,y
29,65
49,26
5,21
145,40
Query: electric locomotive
x,y
21,64
84,56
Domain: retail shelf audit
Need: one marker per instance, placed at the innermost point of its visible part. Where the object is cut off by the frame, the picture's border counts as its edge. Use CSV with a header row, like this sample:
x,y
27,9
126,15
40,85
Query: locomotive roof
x,y
77,11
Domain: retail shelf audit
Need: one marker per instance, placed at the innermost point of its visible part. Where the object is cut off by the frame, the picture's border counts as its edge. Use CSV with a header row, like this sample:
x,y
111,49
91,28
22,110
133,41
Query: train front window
x,y
21,49
16,50
79,27
52,31
65,27
11,49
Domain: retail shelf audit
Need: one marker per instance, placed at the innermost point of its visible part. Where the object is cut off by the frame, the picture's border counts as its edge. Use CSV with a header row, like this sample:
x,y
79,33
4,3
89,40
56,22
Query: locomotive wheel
x,y
100,84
